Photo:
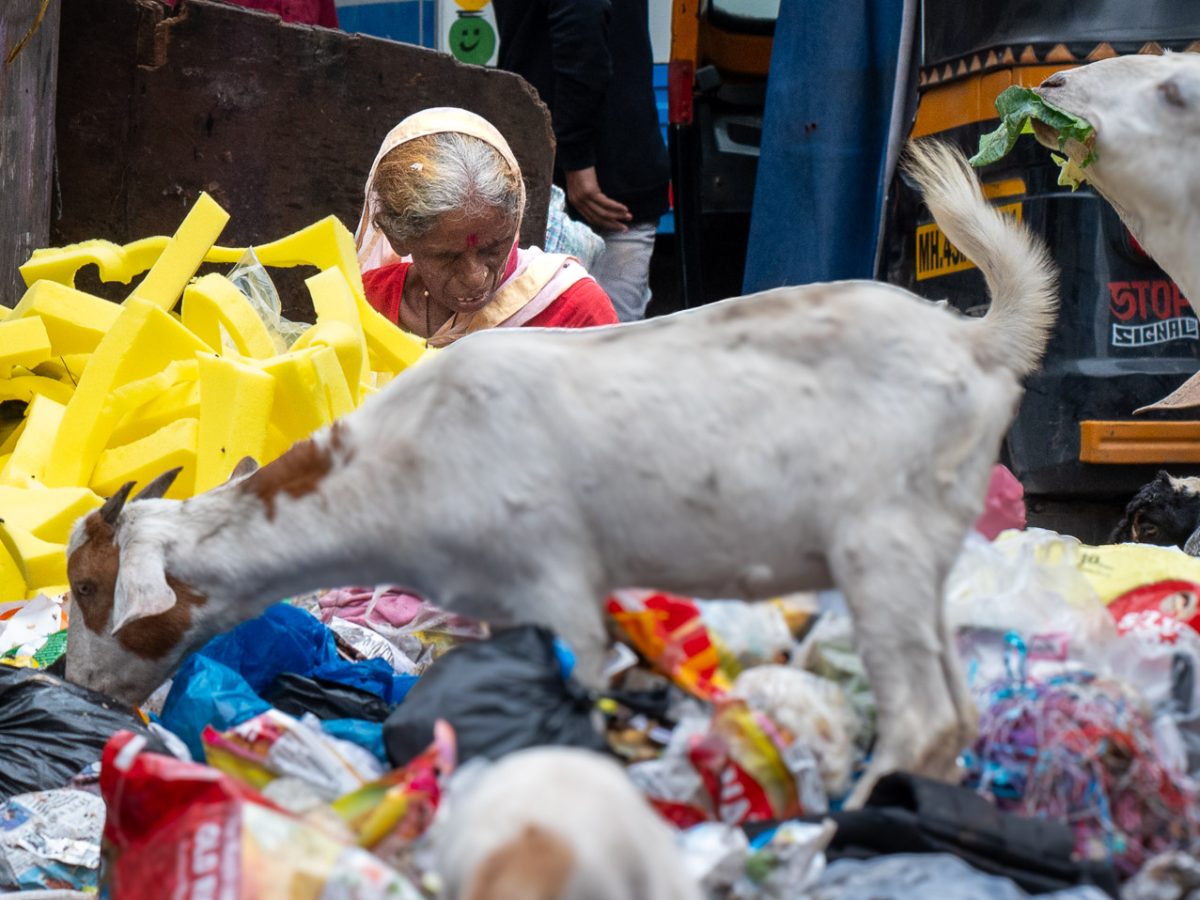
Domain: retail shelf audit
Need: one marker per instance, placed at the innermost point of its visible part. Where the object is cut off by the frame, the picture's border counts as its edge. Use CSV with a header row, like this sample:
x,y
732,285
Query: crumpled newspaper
x,y
50,839
27,629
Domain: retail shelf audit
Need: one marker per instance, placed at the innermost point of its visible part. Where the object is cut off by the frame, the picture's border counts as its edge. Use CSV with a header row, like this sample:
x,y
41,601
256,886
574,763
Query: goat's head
x,y
1166,512
1146,112
131,622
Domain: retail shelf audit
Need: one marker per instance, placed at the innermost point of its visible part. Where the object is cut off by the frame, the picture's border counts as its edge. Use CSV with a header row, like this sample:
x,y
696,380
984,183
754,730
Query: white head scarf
x,y
374,250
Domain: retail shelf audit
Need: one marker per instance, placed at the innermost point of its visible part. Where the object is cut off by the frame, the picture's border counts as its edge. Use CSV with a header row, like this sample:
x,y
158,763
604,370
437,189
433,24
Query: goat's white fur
x,y
1146,112
619,848
791,440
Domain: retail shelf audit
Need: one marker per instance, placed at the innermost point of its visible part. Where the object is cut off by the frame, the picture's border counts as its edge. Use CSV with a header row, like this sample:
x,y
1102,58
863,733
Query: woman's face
x,y
462,260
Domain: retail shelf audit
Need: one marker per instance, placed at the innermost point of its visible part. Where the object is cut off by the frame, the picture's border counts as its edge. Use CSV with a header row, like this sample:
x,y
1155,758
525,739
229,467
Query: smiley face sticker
x,y
472,39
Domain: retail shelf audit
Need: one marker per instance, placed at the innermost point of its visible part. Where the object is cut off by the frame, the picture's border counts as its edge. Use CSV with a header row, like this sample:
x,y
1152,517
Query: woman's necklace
x,y
429,317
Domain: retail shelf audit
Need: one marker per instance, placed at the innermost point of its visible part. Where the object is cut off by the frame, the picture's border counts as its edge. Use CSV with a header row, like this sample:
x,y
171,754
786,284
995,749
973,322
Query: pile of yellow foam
x,y
122,392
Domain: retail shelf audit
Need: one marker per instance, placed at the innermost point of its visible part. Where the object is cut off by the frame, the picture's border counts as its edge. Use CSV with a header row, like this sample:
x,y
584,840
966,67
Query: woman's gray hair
x,y
424,179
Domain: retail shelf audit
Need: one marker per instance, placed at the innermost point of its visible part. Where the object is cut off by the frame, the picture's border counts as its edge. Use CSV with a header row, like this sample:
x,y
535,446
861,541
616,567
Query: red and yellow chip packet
x,y
400,806
668,631
742,766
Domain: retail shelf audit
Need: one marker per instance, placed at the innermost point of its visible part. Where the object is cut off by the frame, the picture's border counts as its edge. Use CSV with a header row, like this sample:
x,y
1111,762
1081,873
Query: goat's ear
x,y
141,588
246,467
1174,94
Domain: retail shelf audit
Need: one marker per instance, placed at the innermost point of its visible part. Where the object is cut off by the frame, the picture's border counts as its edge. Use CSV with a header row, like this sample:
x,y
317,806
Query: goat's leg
x,y
956,681
891,579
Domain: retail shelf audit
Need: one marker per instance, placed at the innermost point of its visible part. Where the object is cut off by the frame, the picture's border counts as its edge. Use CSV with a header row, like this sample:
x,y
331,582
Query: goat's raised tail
x,y
1021,278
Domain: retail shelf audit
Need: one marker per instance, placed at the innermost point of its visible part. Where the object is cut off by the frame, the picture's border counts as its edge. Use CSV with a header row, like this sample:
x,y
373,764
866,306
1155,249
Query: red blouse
x,y
581,305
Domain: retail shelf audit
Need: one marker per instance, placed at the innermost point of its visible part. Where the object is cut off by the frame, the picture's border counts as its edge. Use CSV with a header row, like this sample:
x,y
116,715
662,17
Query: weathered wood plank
x,y
27,95
278,122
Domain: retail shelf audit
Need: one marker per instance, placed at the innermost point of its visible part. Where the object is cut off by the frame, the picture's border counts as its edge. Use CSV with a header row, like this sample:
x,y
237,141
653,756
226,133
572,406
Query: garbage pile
x,y
314,744
316,749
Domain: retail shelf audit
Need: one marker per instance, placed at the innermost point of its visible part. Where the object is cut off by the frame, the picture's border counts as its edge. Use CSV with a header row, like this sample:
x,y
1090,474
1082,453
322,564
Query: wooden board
x,y
27,91
278,122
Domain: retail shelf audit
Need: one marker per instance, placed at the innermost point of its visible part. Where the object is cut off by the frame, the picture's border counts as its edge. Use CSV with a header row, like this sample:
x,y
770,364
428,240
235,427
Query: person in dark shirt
x,y
592,65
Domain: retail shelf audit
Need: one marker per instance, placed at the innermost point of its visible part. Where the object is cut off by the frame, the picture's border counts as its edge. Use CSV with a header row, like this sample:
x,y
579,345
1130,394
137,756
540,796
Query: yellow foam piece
x,y
338,337
235,410
43,563
134,395
329,372
277,444
5,312
213,302
10,440
338,328
144,460
325,244
328,244
46,513
75,321
183,254
23,342
334,300
12,570
115,262
67,368
27,463
391,349
179,401
25,387
142,342
300,406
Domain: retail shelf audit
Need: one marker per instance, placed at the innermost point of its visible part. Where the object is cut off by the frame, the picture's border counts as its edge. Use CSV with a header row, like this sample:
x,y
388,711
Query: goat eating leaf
x,y
1018,106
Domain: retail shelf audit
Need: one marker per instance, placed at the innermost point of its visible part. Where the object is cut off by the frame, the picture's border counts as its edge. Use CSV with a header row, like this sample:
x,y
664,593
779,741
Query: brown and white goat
x,y
835,434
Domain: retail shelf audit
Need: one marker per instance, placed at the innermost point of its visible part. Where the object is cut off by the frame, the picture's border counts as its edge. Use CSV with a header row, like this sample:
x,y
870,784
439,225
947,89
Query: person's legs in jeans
x,y
623,269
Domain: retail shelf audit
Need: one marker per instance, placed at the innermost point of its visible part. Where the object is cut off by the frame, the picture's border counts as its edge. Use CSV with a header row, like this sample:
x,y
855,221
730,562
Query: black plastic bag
x,y
910,814
501,695
51,729
298,694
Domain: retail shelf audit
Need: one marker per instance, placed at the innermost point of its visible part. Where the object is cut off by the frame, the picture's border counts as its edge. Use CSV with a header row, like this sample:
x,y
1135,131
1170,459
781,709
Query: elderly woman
x,y
445,192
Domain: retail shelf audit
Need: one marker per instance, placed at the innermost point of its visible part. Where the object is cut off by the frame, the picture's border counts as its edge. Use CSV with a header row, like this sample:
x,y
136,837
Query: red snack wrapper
x,y
1163,608
668,631
182,830
742,768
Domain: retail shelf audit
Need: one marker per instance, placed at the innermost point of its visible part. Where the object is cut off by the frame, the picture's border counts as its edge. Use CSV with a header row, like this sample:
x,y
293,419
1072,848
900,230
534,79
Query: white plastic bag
x,y
1030,582
251,278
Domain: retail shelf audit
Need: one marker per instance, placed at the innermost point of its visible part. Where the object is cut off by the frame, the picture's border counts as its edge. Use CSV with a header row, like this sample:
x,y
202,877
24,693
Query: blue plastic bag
x,y
205,692
287,639
220,684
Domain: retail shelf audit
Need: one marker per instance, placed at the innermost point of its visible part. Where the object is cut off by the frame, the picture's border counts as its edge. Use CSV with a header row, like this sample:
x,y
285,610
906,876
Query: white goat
x,y
1146,112
556,823
791,440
